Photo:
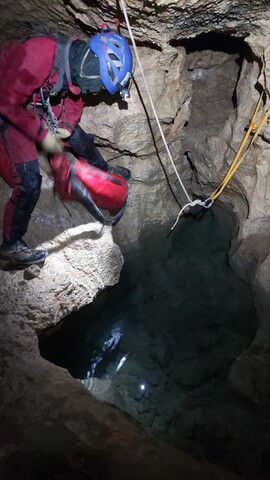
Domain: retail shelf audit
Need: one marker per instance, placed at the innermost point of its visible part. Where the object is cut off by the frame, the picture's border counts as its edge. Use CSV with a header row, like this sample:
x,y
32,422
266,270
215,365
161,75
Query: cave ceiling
x,y
153,21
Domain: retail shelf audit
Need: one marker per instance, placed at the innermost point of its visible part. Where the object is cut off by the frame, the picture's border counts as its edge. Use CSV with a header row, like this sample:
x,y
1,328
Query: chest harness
x,y
63,84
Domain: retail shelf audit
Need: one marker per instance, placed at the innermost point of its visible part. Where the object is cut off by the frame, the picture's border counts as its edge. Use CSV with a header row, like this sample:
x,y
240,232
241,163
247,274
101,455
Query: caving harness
x,y
62,68
50,118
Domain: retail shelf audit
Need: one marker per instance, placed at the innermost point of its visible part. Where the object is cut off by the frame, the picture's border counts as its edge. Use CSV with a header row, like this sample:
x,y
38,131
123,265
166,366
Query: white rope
x,y
191,203
201,203
153,106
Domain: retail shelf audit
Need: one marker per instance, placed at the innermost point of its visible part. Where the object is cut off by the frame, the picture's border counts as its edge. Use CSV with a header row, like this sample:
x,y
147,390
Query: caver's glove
x,y
62,133
52,143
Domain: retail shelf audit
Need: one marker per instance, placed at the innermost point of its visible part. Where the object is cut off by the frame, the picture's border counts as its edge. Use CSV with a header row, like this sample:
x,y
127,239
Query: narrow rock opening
x,y
159,345
214,64
214,41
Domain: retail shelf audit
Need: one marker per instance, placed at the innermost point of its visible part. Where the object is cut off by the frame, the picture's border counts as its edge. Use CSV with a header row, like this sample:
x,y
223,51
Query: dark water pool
x,y
160,343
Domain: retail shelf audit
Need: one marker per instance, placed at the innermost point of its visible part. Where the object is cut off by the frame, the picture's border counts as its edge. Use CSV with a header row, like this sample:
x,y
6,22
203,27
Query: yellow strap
x,y
238,159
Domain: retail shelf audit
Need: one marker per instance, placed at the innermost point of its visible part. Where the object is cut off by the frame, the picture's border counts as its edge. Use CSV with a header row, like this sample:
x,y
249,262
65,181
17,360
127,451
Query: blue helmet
x,y
115,60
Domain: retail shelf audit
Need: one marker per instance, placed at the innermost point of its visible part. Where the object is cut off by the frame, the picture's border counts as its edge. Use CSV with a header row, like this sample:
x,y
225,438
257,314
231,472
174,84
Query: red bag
x,y
108,191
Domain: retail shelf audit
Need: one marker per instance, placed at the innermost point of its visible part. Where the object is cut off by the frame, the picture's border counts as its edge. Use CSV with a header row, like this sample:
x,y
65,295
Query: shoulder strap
x,y
61,64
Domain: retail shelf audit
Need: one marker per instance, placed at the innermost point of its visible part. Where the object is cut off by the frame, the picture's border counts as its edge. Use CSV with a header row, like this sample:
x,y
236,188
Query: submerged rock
x,y
50,423
103,389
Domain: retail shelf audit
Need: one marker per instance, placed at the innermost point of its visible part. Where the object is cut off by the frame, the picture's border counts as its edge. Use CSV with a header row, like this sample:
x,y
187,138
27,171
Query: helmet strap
x,y
91,77
124,91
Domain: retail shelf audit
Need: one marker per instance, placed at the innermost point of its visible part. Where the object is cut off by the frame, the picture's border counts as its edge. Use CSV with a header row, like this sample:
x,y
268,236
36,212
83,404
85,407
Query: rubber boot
x,y
19,254
124,172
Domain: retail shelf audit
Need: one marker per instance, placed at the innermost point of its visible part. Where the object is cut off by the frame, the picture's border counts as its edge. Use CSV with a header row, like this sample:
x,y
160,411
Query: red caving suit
x,y
24,68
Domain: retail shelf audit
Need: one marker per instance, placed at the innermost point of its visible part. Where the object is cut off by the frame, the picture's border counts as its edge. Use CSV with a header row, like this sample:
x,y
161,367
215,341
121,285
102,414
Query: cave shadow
x,y
52,217
221,42
217,42
62,461
92,235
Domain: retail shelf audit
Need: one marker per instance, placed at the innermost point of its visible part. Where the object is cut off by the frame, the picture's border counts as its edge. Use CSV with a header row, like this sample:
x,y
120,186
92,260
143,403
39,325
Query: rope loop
x,y
202,203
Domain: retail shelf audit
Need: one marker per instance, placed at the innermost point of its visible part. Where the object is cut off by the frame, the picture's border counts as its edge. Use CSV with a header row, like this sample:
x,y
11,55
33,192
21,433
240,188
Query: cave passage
x,y
214,64
160,343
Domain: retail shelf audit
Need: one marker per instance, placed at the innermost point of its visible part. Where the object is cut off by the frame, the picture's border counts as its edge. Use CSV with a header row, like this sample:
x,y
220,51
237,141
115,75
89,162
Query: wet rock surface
x,y
157,22
162,343
248,192
50,427
214,77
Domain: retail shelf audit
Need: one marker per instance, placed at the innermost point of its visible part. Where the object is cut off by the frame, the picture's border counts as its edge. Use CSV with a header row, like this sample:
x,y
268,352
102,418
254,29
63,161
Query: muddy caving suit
x,y
24,68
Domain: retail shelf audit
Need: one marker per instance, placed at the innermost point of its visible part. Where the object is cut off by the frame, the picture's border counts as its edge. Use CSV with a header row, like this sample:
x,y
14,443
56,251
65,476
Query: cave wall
x,y
50,427
45,299
124,135
20,19
155,21
159,23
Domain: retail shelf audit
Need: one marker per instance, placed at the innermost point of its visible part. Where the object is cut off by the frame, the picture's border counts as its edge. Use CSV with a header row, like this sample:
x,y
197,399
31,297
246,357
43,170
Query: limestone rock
x,y
126,139
157,21
249,375
20,19
250,253
164,20
31,272
83,260
49,421
127,129
214,77
101,388
210,153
